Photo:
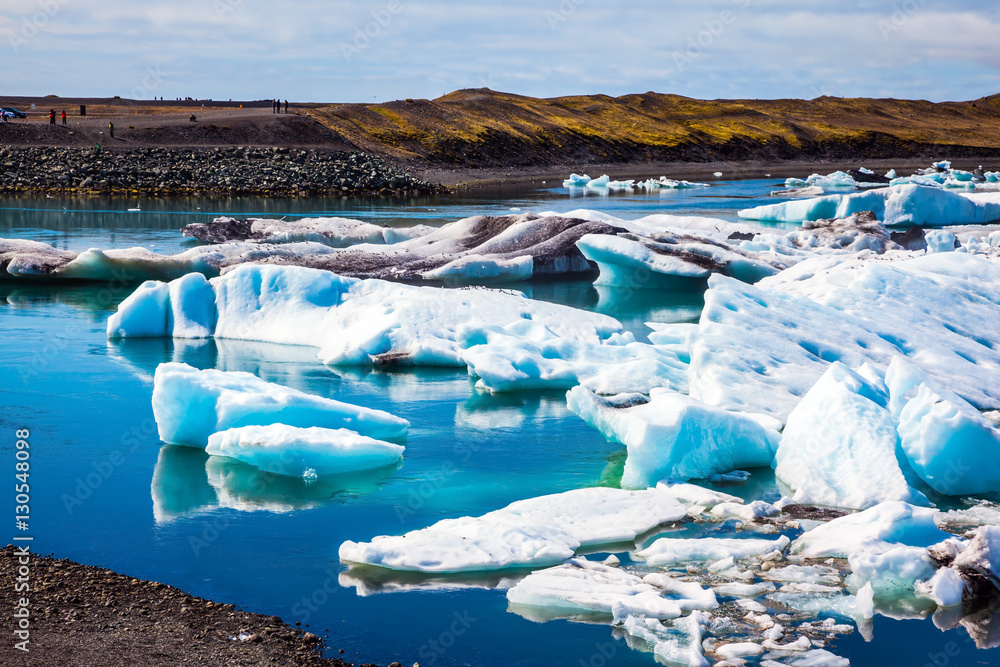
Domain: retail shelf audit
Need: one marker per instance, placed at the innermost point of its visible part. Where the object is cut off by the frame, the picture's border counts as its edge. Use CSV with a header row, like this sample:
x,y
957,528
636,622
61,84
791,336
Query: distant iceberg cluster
x,y
605,184
939,175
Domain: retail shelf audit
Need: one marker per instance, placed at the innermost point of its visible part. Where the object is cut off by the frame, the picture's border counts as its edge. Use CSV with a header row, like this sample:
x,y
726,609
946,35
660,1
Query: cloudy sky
x,y
308,50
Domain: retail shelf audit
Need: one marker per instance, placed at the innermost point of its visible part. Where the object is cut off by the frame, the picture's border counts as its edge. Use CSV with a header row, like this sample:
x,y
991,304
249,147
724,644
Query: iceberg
x,y
581,586
947,441
879,529
529,355
760,348
333,232
675,436
838,447
189,405
673,550
576,181
537,532
678,644
298,452
351,321
896,205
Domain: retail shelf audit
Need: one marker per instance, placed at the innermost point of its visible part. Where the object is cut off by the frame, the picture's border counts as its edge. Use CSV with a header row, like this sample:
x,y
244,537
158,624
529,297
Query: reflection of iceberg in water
x,y
187,482
375,580
486,411
180,487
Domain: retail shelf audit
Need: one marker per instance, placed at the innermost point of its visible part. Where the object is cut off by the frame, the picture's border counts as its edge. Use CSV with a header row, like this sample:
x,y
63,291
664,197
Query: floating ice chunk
x,y
676,436
192,311
738,650
718,174
144,314
878,529
680,645
943,165
892,573
979,563
353,321
813,658
891,174
669,550
984,513
739,590
755,510
939,240
945,588
287,450
536,532
478,266
679,262
527,355
599,183
949,443
581,586
896,205
576,181
190,405
839,445
808,574
693,495
689,595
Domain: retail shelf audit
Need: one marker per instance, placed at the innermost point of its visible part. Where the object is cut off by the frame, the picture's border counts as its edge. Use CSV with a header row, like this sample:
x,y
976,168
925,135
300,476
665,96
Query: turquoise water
x,y
105,491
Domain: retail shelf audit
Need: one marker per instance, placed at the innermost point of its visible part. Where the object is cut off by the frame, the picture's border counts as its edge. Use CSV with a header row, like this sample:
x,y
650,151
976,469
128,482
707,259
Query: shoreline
x,y
83,614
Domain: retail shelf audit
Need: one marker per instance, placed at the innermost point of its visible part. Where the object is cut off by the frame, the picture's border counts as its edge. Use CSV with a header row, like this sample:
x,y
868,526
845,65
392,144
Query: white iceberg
x,y
896,205
287,450
537,532
878,530
189,405
672,550
675,436
581,586
838,447
351,321
948,442
529,355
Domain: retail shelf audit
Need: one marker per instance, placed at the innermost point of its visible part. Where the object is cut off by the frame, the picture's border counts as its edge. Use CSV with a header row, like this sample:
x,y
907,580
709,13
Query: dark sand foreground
x,y
84,615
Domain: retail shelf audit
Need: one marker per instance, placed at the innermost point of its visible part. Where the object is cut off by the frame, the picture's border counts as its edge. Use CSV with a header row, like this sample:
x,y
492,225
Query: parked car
x,y
11,112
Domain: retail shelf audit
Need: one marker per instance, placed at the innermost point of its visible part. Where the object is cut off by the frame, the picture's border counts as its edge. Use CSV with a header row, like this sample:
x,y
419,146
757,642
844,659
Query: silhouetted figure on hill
x,y
52,116
111,129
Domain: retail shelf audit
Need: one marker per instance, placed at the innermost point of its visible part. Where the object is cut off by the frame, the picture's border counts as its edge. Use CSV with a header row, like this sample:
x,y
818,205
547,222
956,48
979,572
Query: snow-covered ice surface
x,y
839,445
351,321
190,405
298,452
529,533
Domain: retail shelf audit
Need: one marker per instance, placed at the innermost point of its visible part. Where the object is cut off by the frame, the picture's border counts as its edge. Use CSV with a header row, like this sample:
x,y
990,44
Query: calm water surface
x,y
107,492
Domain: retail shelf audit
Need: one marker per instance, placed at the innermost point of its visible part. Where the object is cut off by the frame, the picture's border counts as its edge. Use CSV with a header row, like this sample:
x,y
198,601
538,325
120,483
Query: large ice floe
x,y
303,452
907,204
190,405
333,232
351,321
529,533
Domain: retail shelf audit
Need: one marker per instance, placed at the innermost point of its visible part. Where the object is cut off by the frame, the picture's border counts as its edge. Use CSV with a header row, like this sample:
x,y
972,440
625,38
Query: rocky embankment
x,y
260,172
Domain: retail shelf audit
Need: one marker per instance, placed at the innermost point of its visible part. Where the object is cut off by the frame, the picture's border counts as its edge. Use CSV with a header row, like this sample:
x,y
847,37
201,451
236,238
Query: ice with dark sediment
x,y
333,232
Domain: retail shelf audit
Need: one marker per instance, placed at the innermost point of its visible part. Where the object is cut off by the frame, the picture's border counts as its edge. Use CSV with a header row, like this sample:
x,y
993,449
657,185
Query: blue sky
x,y
307,50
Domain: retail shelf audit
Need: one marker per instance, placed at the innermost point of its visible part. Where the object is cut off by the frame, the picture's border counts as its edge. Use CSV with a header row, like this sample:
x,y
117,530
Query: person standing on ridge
x,y
64,116
286,106
52,116
111,129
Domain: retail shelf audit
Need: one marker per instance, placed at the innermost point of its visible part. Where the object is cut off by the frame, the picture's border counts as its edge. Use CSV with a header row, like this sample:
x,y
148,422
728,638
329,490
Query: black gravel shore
x,y
228,171
84,615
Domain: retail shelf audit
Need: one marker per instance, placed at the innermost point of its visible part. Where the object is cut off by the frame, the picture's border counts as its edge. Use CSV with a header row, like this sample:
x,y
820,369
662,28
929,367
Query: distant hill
x,y
485,128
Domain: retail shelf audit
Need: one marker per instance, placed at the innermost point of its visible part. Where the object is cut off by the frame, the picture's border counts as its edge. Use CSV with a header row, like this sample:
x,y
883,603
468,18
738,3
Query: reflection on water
x,y
187,482
374,580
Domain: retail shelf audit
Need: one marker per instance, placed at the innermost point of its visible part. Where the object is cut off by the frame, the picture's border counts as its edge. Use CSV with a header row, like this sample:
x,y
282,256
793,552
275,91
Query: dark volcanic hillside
x,y
484,128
